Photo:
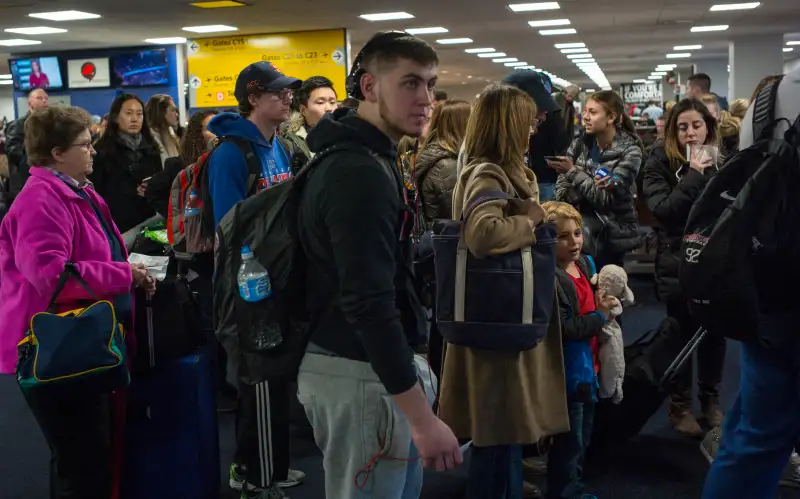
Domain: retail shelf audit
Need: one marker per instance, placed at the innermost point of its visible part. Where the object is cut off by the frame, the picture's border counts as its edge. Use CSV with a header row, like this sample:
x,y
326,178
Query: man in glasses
x,y
251,157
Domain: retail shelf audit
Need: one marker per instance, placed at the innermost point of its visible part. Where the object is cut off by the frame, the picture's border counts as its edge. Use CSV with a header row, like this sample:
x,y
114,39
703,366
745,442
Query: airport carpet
x,y
655,465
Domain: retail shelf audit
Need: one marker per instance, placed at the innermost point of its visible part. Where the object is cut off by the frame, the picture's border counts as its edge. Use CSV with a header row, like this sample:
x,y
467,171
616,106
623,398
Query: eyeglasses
x,y
87,146
283,95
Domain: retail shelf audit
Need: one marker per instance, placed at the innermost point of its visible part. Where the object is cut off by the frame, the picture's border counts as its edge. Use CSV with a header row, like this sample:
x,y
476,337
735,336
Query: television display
x,y
36,72
141,69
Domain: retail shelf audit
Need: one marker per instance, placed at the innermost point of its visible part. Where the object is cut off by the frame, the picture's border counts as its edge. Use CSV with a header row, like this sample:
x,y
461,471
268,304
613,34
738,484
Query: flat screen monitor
x,y
144,68
36,72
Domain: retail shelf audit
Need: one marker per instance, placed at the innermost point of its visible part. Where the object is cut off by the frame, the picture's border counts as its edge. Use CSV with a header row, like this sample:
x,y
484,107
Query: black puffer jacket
x,y
436,179
577,187
18,168
670,196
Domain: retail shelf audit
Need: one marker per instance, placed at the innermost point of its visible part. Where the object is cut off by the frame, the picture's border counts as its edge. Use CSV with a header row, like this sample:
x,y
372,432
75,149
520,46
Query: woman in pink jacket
x,y
58,218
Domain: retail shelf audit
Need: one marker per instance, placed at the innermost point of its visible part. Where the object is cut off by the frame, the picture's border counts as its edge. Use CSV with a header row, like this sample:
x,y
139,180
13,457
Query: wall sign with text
x,y
214,63
642,93
88,73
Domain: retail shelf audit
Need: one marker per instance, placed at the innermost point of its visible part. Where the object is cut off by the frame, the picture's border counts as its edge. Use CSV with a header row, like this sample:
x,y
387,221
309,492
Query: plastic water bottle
x,y
192,204
255,288
253,279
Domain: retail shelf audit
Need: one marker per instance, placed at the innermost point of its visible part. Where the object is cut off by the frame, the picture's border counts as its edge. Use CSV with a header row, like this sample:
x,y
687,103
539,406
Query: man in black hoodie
x,y
358,380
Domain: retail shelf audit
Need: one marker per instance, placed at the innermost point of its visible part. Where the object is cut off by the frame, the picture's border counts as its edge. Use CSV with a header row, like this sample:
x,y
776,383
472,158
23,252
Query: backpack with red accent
x,y
735,234
189,222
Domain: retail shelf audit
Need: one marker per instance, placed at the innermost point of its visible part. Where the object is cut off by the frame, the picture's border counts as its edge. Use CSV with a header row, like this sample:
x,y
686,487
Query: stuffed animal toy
x,y
613,280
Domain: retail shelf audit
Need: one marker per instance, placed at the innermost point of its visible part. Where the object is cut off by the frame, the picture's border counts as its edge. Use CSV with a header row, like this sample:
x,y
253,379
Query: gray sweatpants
x,y
355,422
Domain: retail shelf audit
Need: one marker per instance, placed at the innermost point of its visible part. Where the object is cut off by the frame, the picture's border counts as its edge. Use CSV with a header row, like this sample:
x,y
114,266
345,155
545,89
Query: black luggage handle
x,y
686,353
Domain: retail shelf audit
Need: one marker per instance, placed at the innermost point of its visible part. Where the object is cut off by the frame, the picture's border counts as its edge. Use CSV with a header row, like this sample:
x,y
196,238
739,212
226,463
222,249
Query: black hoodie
x,y
351,219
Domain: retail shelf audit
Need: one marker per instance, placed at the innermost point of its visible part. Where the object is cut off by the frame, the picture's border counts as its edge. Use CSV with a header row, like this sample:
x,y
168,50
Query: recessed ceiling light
x,y
6,82
795,42
506,59
212,28
516,64
681,55
492,54
734,6
174,40
718,27
17,42
530,7
454,41
654,77
658,73
218,4
64,15
579,56
40,30
479,51
640,81
574,51
469,76
6,77
548,22
583,61
426,31
386,16
527,67
787,49
687,47
666,66
590,90
563,31
575,45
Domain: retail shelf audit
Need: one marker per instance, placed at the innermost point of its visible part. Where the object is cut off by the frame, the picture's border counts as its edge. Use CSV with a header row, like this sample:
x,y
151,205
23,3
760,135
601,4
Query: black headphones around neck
x,y
353,83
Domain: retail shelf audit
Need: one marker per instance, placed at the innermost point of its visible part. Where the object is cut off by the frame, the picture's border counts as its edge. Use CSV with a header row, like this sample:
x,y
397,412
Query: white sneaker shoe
x,y
293,479
791,475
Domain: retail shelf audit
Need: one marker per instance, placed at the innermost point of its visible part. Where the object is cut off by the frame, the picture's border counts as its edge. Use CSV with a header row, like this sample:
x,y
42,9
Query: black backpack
x,y
733,235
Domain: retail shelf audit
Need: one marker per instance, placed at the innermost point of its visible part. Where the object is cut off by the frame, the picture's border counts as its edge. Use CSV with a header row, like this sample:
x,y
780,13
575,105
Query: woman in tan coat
x,y
501,400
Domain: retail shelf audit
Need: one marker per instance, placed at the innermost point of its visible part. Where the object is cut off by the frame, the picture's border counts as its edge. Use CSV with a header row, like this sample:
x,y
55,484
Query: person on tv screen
x,y
38,79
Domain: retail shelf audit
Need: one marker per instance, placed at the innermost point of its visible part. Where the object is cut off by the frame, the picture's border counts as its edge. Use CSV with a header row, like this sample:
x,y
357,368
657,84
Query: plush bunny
x,y
614,281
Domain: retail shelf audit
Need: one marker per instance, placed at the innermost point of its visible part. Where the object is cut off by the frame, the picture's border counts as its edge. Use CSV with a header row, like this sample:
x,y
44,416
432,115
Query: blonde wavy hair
x,y
738,108
556,210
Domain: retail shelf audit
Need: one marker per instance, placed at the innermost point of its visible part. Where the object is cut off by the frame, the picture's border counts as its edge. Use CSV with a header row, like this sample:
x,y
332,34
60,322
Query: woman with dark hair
x,y
673,180
195,142
162,118
127,156
598,176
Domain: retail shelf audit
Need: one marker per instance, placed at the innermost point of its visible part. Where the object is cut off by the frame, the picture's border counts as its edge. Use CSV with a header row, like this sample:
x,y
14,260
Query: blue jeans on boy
x,y
495,472
566,456
763,426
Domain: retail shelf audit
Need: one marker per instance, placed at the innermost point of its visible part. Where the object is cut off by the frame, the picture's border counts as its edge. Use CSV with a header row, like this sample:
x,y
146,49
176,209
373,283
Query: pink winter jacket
x,y
47,226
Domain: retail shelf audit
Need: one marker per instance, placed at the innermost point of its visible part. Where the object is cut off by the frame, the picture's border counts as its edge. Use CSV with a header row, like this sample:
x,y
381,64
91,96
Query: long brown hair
x,y
499,126
155,111
612,103
672,145
448,125
193,145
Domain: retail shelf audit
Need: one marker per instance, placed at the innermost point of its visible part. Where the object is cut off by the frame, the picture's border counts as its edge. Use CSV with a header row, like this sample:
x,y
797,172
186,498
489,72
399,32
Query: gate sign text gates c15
x,y
214,63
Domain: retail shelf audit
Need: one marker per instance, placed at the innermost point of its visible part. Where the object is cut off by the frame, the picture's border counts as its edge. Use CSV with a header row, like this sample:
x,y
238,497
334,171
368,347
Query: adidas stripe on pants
x,y
262,432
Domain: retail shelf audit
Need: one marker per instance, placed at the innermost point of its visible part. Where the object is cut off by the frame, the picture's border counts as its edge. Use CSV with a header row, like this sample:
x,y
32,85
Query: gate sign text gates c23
x,y
214,63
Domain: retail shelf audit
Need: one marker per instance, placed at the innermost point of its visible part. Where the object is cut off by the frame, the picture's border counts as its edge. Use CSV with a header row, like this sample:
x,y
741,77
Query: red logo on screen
x,y
88,70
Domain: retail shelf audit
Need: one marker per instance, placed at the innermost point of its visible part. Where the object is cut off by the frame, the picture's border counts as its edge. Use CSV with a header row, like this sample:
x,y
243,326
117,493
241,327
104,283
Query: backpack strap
x,y
250,157
764,110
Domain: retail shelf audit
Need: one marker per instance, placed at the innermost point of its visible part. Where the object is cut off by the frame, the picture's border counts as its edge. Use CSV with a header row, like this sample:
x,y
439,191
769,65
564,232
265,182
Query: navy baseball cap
x,y
531,83
263,76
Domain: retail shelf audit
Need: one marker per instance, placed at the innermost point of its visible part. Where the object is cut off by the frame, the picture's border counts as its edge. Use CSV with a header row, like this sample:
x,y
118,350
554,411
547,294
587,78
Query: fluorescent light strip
x,y
506,59
6,82
794,42
548,22
479,51
574,51
454,41
175,40
532,7
640,81
583,61
426,31
653,77
492,55
687,47
701,29
40,30
682,55
64,15
658,73
386,16
212,28
579,56
734,6
576,45
18,42
550,32
516,64
787,49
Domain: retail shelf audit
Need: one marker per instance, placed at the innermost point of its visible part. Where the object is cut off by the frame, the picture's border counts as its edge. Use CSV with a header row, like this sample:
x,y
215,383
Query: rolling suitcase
x,y
172,436
651,363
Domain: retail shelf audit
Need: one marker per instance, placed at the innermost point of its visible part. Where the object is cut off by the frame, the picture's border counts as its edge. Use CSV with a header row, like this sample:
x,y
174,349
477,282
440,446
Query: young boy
x,y
583,314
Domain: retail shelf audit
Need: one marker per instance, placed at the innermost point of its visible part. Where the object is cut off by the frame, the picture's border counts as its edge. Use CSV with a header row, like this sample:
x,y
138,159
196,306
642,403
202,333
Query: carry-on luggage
x,y
172,436
651,363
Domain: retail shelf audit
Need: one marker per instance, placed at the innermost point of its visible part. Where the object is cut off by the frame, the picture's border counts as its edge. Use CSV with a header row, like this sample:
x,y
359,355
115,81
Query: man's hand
x,y
437,445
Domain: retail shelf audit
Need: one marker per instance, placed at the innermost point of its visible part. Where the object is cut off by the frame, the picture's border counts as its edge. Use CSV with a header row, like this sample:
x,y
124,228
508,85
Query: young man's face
x,y
404,95
570,241
271,108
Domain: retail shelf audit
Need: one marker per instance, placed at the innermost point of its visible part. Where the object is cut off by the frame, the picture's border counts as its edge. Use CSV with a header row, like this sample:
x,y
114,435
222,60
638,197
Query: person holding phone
x,y
674,177
127,156
597,176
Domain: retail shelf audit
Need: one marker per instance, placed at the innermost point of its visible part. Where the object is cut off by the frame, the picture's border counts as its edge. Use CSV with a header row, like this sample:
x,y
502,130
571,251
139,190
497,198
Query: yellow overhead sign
x,y
214,63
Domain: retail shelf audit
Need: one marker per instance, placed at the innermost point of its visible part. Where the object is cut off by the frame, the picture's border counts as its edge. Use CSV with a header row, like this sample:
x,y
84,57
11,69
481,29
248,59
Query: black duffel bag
x,y
501,302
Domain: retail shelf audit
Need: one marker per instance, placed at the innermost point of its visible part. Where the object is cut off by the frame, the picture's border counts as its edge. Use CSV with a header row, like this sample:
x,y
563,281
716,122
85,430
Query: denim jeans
x,y
763,426
495,472
565,460
547,191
